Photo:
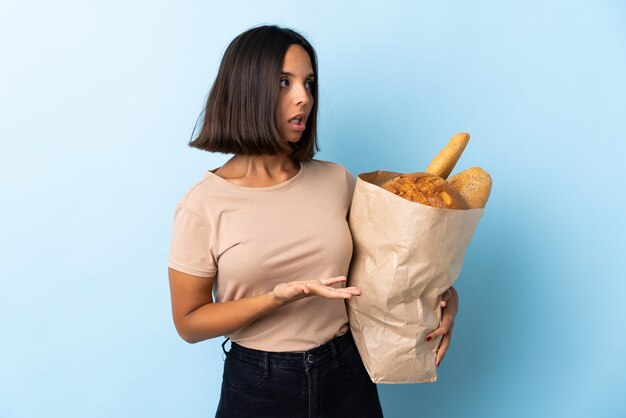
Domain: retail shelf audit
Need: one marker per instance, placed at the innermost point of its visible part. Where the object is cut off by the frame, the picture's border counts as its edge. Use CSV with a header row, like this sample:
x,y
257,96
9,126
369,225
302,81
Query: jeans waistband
x,y
294,359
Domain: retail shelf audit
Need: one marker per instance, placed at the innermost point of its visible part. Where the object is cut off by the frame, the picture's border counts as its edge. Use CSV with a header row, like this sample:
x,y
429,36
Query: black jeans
x,y
329,381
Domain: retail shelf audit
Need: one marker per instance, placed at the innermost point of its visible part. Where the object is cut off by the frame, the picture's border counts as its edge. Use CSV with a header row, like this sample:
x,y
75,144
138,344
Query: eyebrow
x,y
287,73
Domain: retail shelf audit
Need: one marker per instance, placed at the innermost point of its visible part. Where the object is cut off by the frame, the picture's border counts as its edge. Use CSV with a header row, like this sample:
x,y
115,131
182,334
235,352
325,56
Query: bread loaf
x,y
427,189
474,185
468,189
444,162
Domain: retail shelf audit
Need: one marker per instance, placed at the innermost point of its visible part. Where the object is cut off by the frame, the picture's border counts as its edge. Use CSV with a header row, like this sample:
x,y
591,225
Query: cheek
x,y
280,113
283,109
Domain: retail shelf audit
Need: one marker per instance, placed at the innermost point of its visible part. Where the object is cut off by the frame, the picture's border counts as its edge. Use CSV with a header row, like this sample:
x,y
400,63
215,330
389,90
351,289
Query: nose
x,y
301,95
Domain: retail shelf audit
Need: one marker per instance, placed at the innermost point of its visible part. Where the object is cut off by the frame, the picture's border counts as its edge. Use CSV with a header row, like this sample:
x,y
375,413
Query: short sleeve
x,y
351,184
190,249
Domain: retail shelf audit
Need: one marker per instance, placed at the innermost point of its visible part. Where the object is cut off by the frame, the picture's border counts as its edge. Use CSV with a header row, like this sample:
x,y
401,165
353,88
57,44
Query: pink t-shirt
x,y
253,238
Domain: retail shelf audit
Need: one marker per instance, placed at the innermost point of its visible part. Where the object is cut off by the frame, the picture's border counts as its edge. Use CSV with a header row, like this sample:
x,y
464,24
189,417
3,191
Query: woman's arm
x,y
197,318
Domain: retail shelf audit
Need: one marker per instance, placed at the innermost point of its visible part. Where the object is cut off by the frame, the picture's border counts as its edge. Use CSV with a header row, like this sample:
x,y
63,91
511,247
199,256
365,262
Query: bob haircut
x,y
241,110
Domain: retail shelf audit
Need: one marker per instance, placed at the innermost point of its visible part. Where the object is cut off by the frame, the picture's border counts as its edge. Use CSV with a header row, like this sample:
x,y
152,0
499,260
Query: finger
x,y
443,347
318,285
444,327
448,313
331,292
444,298
333,280
354,290
340,292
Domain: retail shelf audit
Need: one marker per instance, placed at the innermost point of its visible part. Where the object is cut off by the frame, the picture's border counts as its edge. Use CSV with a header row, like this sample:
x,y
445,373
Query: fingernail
x,y
429,338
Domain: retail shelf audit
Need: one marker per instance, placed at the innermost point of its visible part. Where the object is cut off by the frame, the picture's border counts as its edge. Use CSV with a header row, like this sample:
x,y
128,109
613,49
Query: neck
x,y
263,166
268,163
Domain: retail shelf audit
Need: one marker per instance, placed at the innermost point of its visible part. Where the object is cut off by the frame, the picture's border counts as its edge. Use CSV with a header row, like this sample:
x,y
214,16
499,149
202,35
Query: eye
x,y
285,83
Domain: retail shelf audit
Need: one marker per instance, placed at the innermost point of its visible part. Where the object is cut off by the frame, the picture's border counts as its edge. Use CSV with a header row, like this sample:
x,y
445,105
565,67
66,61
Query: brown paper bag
x,y
406,255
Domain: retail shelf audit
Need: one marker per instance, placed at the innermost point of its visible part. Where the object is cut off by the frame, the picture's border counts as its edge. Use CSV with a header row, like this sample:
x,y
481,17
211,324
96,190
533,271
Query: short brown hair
x,y
240,112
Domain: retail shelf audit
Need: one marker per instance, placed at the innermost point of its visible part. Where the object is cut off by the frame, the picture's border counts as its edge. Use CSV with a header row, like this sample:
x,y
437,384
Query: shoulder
x,y
336,174
330,167
198,196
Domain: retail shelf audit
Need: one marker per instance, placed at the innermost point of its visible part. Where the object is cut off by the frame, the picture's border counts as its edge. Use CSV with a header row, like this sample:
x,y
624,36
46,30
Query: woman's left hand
x,y
450,306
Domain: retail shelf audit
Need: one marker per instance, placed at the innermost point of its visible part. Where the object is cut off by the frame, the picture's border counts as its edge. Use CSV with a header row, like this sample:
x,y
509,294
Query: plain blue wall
x,y
98,100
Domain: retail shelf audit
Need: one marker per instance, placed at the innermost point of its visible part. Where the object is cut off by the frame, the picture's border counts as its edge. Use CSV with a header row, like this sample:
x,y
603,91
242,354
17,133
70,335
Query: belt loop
x,y
224,349
266,363
334,350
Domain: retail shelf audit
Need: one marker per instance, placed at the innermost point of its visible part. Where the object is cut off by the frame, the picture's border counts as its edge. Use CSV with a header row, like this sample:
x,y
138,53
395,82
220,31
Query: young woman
x,y
261,247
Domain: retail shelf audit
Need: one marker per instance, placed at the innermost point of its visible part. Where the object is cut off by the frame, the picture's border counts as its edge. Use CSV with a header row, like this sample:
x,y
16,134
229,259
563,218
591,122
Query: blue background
x,y
99,100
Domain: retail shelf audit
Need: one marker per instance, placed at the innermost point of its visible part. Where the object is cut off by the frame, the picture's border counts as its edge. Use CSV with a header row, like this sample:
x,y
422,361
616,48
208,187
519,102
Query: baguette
x,y
444,162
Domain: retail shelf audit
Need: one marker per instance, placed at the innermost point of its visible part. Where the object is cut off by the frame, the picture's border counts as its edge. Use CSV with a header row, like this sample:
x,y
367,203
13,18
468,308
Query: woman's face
x,y
296,96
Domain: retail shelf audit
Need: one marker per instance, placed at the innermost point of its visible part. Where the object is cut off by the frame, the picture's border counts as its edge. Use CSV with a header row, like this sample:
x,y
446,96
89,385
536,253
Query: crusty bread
x,y
426,189
474,184
444,162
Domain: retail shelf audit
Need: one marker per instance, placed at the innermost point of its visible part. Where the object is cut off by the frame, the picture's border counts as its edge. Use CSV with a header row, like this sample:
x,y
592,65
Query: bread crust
x,y
474,185
427,189
444,162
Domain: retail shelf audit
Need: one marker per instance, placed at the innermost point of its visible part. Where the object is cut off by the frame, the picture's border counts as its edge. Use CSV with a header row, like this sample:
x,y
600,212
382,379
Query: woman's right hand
x,y
292,291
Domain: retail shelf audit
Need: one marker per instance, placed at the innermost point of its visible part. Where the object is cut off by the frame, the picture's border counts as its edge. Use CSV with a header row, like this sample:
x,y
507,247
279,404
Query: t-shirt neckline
x,y
233,186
